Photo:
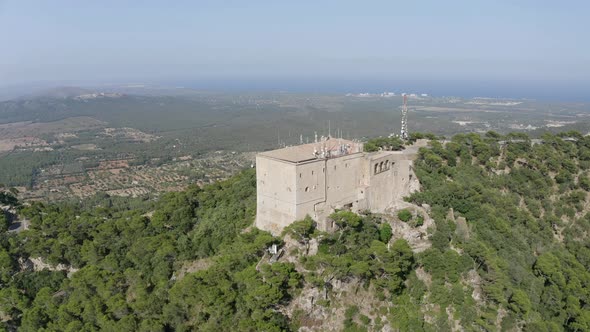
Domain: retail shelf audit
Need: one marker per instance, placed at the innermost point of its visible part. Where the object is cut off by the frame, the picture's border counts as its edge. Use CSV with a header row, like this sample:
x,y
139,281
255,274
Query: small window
x,y
311,172
300,175
334,167
306,189
323,170
376,168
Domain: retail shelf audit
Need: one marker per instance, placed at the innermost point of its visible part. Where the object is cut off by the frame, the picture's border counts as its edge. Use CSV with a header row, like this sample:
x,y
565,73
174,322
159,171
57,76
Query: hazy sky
x,y
166,40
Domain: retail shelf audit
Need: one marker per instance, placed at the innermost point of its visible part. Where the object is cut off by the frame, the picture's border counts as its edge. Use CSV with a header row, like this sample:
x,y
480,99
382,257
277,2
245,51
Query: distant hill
x,y
61,92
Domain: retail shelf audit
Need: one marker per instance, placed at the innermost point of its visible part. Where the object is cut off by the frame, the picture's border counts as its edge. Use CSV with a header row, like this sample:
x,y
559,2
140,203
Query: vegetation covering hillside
x,y
526,234
510,251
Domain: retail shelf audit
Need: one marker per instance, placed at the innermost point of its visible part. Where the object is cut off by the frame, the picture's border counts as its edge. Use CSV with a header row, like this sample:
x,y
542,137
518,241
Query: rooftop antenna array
x,y
404,130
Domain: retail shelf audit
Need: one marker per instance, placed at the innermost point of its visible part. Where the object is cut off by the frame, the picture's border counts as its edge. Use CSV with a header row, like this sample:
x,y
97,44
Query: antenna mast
x,y
404,130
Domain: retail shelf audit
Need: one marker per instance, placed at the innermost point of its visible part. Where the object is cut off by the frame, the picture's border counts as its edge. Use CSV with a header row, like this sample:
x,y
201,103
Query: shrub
x,y
385,233
404,215
419,220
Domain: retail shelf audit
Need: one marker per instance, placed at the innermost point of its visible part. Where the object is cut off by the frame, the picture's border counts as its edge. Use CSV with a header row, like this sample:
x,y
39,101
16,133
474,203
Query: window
x,y
382,166
300,175
311,172
306,189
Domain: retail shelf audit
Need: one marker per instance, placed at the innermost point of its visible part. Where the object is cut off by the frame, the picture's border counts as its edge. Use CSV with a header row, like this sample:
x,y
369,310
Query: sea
x,y
550,90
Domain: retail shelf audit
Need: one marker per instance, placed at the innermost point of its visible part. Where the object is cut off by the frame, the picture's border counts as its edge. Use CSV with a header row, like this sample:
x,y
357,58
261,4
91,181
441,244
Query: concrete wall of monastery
x,y
343,180
380,190
311,187
405,180
289,191
276,194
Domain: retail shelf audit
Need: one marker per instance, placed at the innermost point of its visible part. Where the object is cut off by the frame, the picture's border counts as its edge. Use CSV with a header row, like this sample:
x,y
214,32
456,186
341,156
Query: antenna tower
x,y
404,130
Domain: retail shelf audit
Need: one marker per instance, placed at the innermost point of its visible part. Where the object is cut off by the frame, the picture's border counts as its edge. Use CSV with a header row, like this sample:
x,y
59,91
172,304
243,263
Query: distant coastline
x,y
556,90
564,91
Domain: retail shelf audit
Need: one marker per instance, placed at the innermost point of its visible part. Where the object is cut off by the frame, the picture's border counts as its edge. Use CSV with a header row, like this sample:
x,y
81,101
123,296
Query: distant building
x,y
315,179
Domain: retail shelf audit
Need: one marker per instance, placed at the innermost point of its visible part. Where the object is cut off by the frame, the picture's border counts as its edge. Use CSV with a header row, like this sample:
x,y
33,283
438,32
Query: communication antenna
x,y
404,130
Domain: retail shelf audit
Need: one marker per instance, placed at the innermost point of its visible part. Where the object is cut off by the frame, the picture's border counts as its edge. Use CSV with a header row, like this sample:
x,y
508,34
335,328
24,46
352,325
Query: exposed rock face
x,y
424,276
25,265
474,280
310,307
417,237
462,229
38,264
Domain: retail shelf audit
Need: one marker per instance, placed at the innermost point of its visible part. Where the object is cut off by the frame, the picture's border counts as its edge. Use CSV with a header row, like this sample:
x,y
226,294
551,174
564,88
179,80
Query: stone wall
x,y
288,191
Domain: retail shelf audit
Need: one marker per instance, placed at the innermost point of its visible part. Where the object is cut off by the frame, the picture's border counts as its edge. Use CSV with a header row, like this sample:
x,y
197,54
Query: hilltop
x,y
496,239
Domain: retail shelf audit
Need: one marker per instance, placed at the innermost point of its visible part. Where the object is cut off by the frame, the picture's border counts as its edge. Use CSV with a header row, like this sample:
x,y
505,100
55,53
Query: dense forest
x,y
510,251
526,208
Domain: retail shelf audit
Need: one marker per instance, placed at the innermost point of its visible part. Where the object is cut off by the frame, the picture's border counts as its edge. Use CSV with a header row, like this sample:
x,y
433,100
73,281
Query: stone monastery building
x,y
315,179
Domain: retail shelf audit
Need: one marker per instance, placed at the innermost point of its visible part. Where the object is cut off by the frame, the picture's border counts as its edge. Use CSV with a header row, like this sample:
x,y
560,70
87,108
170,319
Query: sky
x,y
135,41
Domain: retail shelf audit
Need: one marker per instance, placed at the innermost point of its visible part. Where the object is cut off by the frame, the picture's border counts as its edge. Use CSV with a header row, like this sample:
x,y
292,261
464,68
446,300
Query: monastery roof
x,y
312,151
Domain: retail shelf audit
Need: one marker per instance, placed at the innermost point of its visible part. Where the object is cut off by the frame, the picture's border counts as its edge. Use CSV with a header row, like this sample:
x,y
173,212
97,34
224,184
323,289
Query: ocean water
x,y
562,91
